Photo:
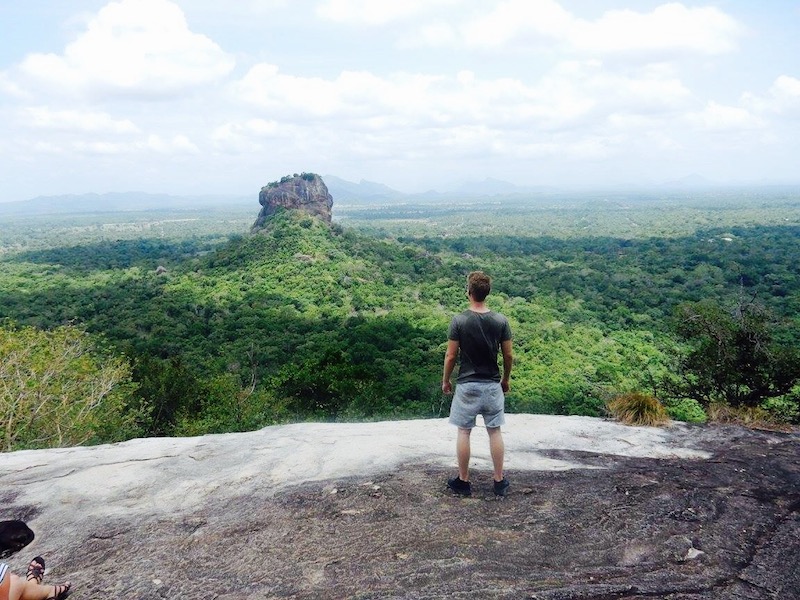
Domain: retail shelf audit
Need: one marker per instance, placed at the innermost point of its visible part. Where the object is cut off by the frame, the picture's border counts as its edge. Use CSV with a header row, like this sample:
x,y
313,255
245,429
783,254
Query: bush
x,y
225,406
784,408
61,388
687,410
753,417
638,409
739,355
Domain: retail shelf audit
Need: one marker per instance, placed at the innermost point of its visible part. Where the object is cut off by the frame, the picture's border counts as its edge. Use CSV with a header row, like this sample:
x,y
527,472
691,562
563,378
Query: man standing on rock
x,y
474,339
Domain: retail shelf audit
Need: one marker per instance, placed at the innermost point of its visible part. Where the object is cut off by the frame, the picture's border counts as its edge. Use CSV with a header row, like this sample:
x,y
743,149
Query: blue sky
x,y
202,96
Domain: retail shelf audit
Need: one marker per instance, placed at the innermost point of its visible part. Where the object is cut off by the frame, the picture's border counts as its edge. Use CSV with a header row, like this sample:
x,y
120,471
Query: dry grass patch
x,y
753,417
638,409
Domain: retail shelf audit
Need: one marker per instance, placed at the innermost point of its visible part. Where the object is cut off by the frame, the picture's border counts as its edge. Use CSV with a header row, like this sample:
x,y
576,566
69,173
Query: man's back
x,y
479,335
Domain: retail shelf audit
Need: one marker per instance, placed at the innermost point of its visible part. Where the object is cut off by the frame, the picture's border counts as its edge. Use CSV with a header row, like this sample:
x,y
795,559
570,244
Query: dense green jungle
x,y
183,322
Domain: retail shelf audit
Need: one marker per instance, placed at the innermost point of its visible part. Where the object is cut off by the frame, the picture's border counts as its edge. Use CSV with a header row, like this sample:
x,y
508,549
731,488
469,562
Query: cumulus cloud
x,y
577,110
508,20
515,82
718,117
666,30
372,12
10,87
782,98
43,117
570,91
245,137
95,147
135,147
133,47
147,145
357,94
177,144
647,92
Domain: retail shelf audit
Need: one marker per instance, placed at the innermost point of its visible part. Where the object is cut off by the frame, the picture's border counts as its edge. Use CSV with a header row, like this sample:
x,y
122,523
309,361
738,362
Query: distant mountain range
x,y
364,190
119,202
369,191
343,192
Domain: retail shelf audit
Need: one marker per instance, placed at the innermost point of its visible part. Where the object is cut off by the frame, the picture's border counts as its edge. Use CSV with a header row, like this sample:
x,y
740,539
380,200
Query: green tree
x,y
739,356
62,388
170,390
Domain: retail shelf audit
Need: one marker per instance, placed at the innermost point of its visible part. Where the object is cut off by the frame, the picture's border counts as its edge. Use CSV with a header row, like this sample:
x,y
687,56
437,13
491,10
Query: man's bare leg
x,y
463,452
497,449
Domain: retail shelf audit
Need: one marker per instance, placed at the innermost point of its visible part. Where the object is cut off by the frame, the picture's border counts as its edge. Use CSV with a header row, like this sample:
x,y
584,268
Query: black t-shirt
x,y
479,336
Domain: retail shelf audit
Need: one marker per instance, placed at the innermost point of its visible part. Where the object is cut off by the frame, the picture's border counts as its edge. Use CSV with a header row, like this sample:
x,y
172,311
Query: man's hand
x,y
447,387
505,385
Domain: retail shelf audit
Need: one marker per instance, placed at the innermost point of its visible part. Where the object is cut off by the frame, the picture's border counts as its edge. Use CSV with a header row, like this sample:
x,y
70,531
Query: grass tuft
x,y
638,409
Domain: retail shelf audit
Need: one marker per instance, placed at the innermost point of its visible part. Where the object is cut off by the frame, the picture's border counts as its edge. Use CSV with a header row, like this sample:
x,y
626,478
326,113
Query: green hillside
x,y
308,321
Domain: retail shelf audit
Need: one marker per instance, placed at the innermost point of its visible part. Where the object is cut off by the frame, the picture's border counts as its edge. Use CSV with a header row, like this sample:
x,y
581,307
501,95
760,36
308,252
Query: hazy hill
x,y
361,192
369,194
117,202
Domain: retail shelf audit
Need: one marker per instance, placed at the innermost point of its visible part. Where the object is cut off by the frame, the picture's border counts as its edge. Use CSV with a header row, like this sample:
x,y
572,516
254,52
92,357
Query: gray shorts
x,y
475,398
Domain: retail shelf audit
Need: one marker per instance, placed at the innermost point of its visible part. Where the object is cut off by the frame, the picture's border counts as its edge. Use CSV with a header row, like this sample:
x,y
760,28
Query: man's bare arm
x,y
508,361
450,357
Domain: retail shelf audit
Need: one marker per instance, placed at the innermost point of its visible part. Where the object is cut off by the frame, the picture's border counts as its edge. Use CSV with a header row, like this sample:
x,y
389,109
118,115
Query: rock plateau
x,y
332,511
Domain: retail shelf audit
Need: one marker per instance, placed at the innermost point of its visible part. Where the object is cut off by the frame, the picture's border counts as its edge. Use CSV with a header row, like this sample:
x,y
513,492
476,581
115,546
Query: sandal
x,y
60,592
35,570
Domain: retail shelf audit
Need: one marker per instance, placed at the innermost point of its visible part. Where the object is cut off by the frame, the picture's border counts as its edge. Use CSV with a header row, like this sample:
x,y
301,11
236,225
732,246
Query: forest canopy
x,y
214,329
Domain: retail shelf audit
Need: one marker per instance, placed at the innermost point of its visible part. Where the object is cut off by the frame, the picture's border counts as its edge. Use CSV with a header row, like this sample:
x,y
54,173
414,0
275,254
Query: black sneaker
x,y
501,487
463,488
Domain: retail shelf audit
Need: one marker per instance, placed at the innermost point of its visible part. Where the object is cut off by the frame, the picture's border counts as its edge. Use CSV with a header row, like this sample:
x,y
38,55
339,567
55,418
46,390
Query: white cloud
x,y
244,138
375,12
667,30
173,146
96,148
523,86
151,144
717,117
782,98
576,111
177,144
353,94
573,94
513,18
76,121
137,47
433,35
10,87
584,93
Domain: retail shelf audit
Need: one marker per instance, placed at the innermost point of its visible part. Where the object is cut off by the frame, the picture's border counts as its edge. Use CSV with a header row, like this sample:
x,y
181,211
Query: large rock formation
x,y
306,192
325,511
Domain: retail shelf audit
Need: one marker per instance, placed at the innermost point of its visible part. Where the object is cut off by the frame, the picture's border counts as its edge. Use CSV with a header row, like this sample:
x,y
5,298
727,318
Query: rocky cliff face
x,y
306,192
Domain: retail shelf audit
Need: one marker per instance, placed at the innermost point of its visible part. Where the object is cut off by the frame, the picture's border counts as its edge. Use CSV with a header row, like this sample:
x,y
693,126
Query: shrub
x,y
739,355
687,410
226,406
638,409
62,388
784,408
753,417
